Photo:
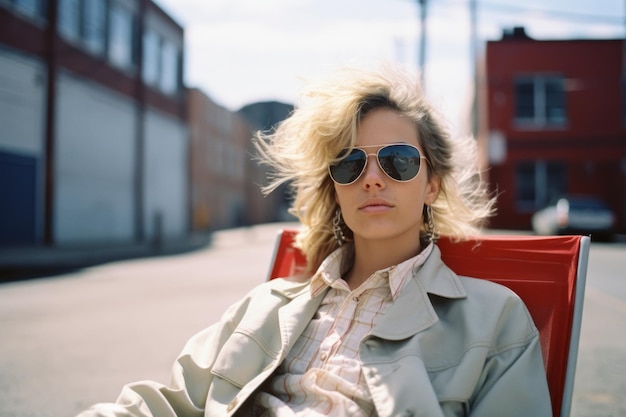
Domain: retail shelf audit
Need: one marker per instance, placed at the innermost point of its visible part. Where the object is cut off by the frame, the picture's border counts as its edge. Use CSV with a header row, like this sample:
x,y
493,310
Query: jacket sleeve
x,y
191,378
514,380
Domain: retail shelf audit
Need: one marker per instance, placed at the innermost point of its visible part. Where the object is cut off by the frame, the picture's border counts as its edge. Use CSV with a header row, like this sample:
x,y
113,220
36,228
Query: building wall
x,y
219,141
22,121
24,28
113,117
593,70
590,145
22,103
166,148
95,163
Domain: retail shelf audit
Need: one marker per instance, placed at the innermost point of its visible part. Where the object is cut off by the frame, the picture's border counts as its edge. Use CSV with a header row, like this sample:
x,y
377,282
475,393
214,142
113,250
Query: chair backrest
x,y
548,273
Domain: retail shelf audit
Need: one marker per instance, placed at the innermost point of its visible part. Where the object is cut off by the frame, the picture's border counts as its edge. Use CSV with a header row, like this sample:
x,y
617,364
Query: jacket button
x,y
232,405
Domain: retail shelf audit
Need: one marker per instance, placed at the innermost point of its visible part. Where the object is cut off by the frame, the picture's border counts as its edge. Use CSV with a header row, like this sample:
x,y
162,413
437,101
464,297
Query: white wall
x,y
166,141
22,104
95,148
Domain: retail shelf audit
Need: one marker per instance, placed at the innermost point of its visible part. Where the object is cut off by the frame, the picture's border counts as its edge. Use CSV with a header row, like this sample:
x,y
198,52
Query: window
x,y
540,101
555,182
525,184
160,62
150,71
94,25
69,19
538,183
168,81
121,37
83,23
31,8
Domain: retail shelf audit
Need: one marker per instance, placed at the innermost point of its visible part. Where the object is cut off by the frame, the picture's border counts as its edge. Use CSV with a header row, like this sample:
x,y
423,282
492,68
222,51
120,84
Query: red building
x,y
555,124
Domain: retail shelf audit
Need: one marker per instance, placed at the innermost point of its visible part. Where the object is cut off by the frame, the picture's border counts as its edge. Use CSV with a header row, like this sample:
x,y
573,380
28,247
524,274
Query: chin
x,y
386,231
384,234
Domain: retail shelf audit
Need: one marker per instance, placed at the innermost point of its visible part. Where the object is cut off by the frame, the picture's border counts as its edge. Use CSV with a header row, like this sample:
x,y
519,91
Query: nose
x,y
373,175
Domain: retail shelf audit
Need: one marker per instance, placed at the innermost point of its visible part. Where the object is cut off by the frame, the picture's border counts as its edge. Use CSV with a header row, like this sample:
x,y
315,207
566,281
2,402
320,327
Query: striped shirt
x,y
322,374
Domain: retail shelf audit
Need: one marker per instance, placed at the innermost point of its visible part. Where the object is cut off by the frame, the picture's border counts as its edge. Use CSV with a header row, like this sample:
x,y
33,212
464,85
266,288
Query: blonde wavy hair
x,y
325,122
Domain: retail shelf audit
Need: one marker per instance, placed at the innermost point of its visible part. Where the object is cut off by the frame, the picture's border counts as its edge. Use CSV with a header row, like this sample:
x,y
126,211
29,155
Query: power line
x,y
494,7
560,14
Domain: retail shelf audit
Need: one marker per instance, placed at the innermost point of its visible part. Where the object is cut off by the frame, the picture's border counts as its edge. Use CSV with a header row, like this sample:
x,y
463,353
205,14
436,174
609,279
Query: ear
x,y
432,189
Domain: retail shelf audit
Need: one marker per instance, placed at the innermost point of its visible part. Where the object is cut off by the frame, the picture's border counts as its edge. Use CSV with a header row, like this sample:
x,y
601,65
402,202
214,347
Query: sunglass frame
x,y
377,155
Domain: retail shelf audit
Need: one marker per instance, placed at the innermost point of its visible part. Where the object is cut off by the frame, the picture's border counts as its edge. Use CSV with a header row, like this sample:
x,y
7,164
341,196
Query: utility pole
x,y
422,53
624,99
474,64
52,46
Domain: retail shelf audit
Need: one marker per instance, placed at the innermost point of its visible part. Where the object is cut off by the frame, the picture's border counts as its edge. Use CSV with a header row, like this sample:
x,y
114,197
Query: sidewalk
x,y
34,261
38,261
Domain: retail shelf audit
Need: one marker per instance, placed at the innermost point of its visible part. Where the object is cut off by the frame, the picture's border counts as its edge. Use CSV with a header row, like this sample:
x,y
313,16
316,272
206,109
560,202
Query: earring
x,y
431,234
338,227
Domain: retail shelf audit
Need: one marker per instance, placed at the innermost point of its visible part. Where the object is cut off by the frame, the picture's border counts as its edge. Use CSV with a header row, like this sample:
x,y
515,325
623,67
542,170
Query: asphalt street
x,y
70,340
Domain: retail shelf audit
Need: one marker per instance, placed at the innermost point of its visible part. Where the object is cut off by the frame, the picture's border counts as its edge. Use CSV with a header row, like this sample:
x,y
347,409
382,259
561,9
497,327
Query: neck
x,y
371,256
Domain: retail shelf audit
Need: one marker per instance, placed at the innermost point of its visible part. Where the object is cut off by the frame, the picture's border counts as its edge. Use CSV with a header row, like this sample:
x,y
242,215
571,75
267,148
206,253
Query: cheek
x,y
337,193
345,195
345,203
418,198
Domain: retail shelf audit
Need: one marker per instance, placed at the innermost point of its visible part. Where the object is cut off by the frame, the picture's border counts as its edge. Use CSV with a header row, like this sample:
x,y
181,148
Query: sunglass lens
x,y
400,162
348,169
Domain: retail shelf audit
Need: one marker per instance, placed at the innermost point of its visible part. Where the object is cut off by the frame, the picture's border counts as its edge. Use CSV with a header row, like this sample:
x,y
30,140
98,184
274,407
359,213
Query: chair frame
x,y
581,281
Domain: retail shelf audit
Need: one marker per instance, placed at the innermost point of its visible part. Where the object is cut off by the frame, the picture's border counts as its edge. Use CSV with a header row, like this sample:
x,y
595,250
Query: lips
x,y
375,204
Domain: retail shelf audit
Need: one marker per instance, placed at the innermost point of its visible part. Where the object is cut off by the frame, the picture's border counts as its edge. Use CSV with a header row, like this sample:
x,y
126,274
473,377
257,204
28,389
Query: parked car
x,y
575,214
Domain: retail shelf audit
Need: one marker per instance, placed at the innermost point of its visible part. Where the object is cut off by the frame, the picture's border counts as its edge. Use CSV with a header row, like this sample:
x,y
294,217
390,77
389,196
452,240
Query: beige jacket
x,y
447,346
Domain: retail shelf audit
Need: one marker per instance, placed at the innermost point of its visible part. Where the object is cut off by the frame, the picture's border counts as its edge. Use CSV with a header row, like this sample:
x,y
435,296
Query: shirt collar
x,y
331,270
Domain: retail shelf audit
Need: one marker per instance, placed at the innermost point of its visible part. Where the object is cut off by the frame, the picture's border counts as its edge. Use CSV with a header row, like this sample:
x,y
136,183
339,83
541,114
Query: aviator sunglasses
x,y
401,162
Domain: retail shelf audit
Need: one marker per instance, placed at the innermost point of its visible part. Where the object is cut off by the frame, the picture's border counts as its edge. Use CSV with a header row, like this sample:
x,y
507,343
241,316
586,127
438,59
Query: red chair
x,y
548,273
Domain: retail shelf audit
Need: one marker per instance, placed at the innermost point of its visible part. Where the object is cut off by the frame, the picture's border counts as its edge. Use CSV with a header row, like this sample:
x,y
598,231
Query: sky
x,y
244,51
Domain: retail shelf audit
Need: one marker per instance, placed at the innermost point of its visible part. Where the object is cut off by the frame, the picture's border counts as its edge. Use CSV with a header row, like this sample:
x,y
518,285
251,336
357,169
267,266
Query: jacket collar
x,y
333,269
412,311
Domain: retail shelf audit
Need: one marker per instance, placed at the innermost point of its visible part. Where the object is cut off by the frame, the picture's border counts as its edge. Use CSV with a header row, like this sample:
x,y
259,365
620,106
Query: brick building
x,y
555,124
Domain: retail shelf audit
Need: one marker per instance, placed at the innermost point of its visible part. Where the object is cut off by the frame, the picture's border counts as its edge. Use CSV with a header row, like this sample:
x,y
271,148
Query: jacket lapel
x,y
295,316
412,311
399,382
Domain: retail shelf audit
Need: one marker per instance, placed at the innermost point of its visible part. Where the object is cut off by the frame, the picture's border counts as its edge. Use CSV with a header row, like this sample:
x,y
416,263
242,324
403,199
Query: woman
x,y
378,326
